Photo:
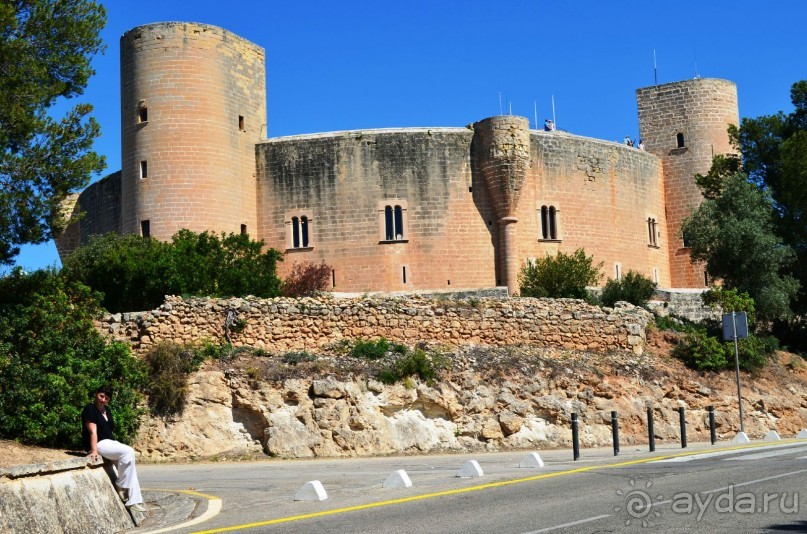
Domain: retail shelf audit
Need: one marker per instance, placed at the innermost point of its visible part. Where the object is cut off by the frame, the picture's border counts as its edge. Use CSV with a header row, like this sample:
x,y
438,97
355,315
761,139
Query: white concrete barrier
x,y
470,469
311,491
802,434
741,438
532,460
772,435
398,480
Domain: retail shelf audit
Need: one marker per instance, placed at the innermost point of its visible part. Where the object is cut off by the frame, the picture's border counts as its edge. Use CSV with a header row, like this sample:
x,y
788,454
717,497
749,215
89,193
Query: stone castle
x,y
400,208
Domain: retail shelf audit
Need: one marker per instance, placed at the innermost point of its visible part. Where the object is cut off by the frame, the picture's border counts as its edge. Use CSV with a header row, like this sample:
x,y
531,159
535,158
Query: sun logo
x,y
638,504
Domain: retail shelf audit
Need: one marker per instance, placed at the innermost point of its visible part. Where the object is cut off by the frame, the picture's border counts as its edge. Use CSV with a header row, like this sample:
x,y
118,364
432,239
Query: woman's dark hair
x,y
106,389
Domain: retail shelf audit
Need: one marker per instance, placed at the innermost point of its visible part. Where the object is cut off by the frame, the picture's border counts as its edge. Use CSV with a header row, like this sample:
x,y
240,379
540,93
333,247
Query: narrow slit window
x,y
398,223
333,278
404,275
549,222
143,114
617,271
295,232
652,232
304,230
243,229
145,228
144,169
241,125
680,140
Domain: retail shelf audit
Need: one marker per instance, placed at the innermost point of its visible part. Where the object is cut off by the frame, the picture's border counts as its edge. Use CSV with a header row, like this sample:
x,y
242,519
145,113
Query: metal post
x,y
737,363
683,422
575,442
712,424
650,434
615,431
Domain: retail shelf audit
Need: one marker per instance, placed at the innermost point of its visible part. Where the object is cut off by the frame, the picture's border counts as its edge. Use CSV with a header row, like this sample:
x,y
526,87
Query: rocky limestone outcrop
x,y
510,398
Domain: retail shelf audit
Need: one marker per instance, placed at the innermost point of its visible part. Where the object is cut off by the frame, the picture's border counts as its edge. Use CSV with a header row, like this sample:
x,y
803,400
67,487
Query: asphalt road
x,y
704,488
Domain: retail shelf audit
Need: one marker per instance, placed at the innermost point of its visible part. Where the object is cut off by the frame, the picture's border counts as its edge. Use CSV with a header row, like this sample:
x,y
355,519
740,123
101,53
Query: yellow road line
x,y
479,487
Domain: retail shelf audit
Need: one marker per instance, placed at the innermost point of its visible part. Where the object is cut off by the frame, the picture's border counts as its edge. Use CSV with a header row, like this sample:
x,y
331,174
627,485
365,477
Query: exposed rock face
x,y
517,399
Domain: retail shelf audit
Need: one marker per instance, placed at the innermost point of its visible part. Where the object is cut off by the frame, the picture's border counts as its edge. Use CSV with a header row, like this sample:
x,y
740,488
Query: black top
x,y
103,427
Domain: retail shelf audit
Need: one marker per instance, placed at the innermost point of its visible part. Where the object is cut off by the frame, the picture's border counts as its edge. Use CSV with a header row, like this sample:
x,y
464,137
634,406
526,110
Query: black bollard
x,y
575,442
651,436
683,421
615,432
712,424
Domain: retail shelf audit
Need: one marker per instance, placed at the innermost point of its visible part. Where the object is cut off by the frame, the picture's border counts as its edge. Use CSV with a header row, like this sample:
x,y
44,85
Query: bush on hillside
x,y
52,359
633,287
560,276
169,365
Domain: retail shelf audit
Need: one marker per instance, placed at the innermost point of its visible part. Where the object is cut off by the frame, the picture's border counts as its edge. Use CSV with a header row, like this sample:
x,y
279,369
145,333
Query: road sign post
x,y
735,326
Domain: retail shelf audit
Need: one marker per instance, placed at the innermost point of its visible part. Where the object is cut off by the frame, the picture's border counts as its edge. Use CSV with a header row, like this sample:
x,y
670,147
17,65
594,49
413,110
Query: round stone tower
x,y
502,154
685,124
193,106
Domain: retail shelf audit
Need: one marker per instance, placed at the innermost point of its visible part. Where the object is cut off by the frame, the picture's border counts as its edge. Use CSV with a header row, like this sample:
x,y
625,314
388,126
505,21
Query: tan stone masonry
x,y
283,324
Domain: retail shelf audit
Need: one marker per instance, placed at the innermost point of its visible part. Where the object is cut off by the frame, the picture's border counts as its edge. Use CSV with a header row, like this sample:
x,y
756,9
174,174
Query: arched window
x,y
549,222
299,230
393,221
680,140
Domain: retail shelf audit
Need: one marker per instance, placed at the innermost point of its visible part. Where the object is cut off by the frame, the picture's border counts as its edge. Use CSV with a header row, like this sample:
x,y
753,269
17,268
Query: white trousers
x,y
123,456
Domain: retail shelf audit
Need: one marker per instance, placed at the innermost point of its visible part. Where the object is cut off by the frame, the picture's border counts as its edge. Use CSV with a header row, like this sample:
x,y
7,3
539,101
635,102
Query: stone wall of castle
x,y
603,193
310,323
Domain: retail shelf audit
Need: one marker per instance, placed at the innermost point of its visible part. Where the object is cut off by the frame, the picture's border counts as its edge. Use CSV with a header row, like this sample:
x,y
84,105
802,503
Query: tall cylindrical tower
x,y
193,106
685,124
502,154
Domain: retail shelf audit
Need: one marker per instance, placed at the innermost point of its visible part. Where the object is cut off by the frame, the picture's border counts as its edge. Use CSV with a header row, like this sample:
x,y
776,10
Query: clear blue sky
x,y
359,64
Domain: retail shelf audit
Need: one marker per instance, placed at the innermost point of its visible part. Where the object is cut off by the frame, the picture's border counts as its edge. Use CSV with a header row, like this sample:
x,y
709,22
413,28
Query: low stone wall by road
x,y
309,323
68,496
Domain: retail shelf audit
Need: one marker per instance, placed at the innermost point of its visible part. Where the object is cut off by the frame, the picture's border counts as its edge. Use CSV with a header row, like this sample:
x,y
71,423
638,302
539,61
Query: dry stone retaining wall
x,y
310,323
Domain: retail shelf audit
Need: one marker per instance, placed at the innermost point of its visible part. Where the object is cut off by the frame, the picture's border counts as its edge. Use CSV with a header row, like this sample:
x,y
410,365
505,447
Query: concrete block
x,y
470,469
741,438
311,491
802,434
533,459
397,480
771,436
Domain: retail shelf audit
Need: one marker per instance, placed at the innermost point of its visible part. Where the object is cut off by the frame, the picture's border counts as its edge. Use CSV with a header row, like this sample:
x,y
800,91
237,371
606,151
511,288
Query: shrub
x,y
306,279
412,363
703,352
52,359
374,349
633,287
293,358
169,365
560,276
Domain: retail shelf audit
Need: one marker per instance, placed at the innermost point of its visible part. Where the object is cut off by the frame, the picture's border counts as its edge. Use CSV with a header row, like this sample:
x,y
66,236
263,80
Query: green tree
x,y
45,51
560,276
52,358
132,272
774,149
136,273
733,233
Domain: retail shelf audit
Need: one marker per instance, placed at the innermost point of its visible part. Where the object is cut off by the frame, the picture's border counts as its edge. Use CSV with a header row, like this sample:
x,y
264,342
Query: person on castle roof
x,y
549,126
